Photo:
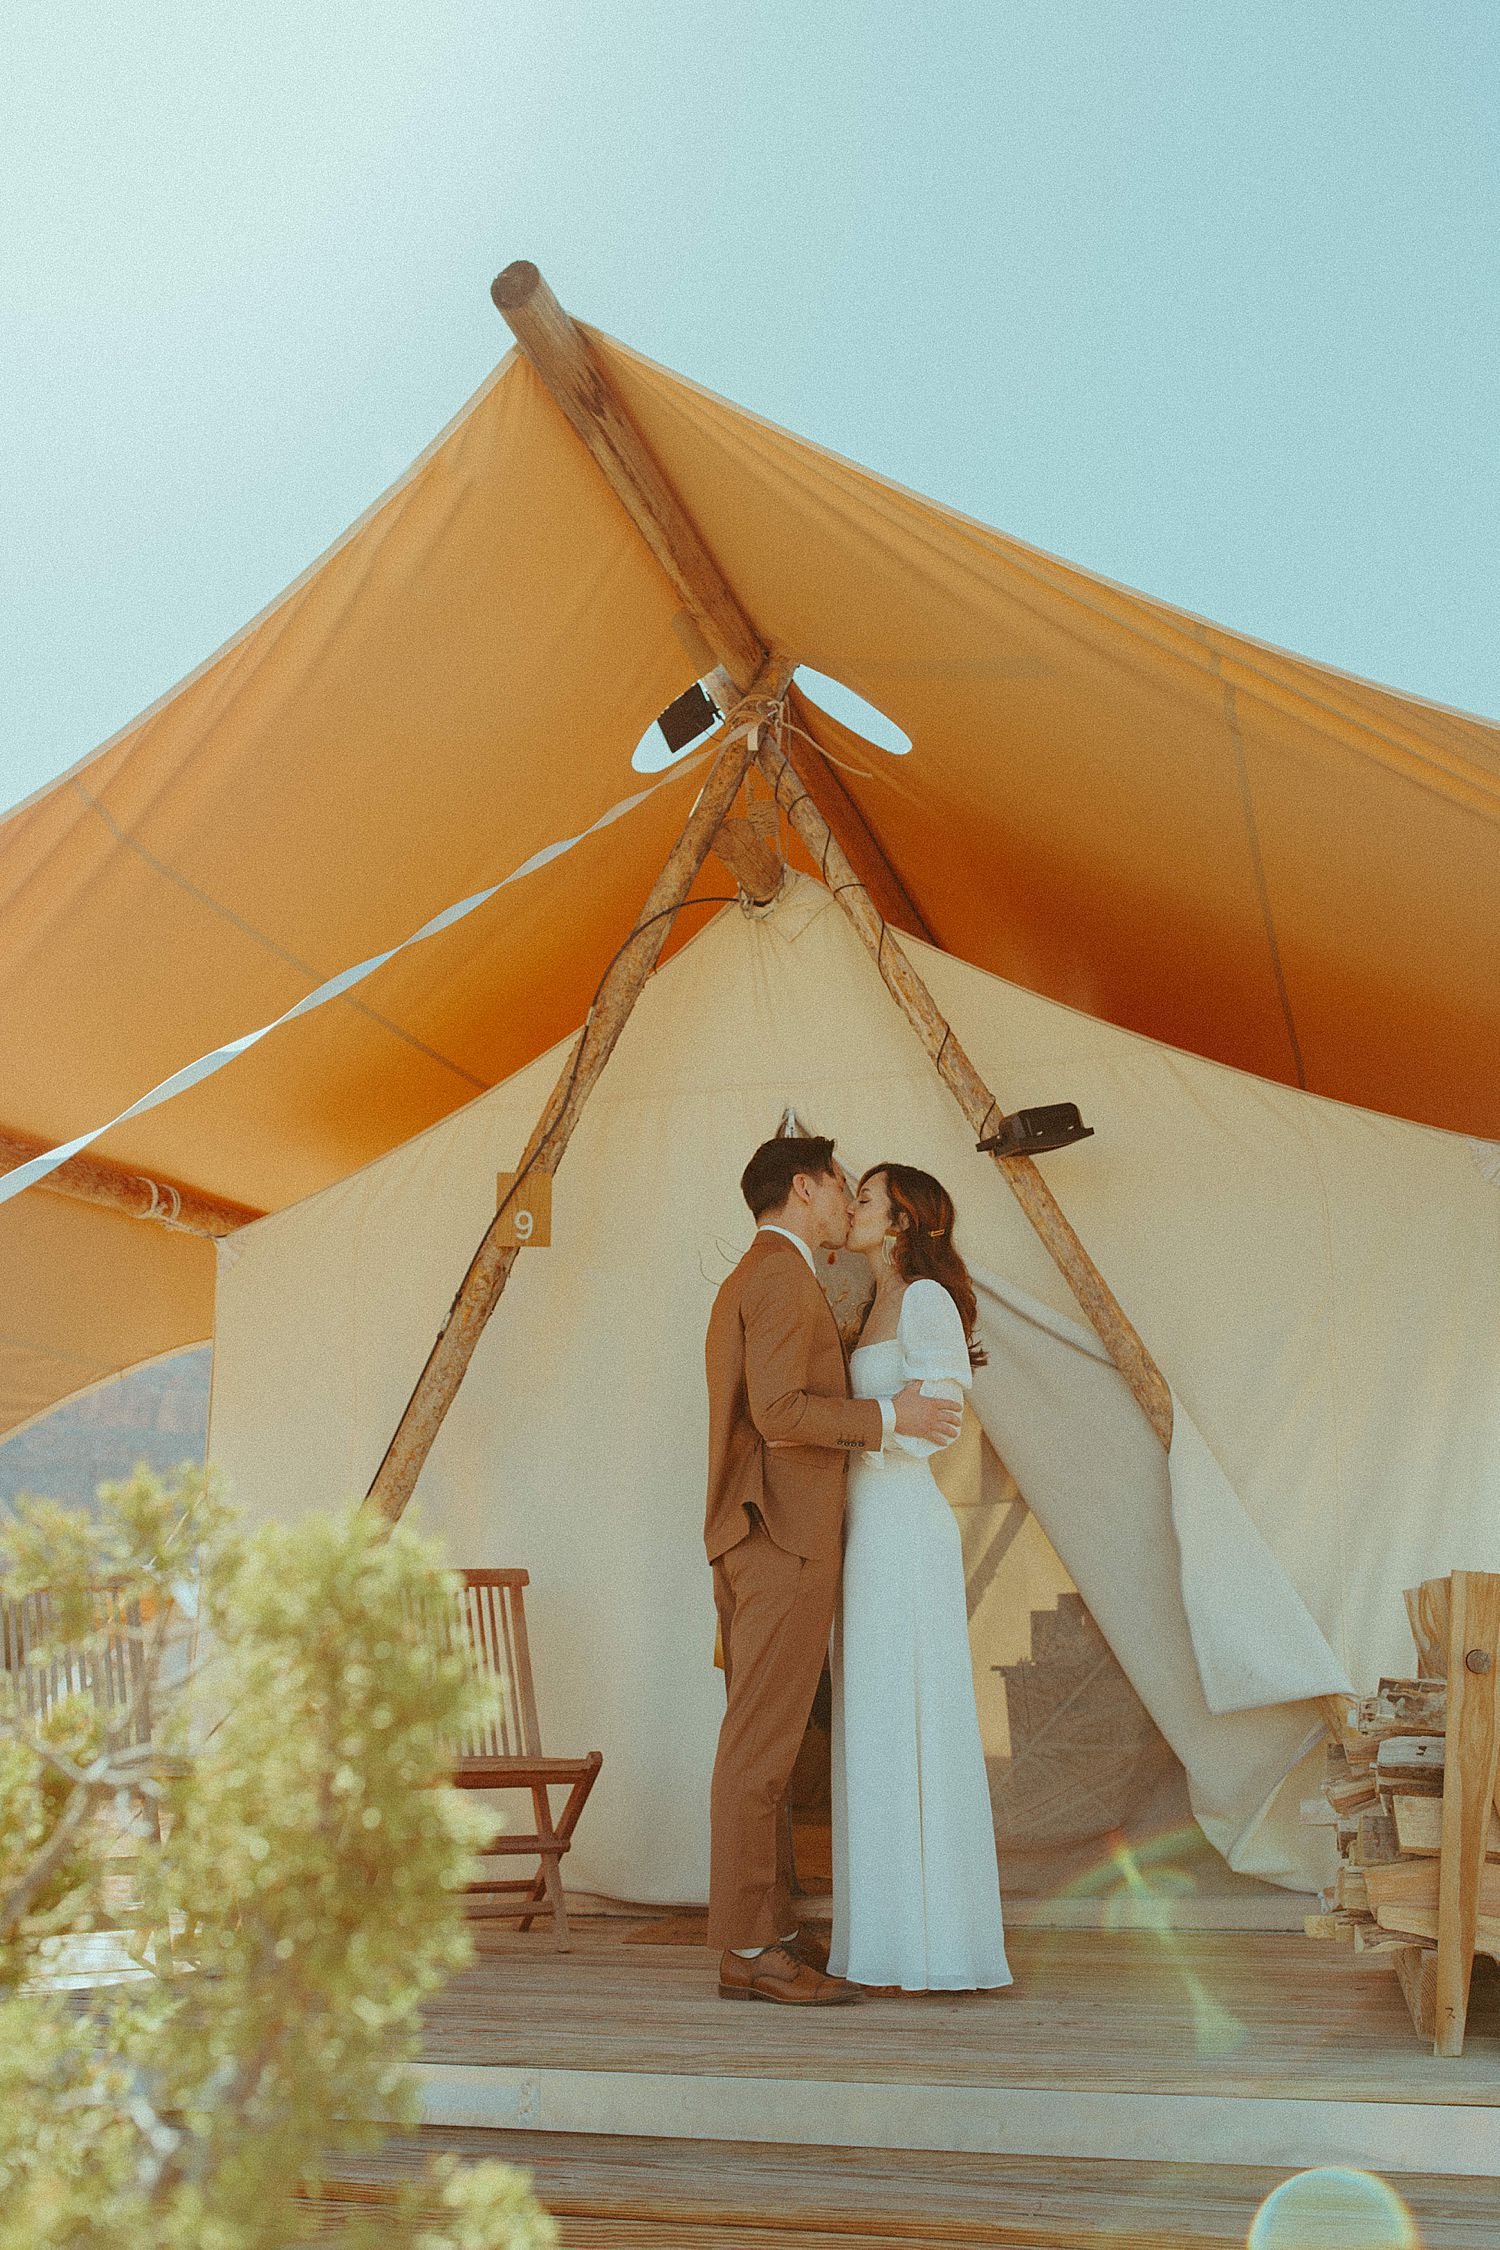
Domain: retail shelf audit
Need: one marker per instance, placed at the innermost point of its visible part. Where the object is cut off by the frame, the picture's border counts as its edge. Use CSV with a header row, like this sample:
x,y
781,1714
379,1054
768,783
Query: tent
x,y
1110,805
1254,1230
1114,804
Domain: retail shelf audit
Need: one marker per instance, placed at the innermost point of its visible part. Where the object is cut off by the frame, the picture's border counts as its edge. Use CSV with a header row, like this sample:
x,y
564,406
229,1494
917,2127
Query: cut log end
x,y
516,286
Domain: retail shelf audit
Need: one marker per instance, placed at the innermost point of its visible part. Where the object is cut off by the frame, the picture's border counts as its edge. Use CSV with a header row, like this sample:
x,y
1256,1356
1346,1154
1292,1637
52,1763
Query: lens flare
x,y
1333,2209
1216,2030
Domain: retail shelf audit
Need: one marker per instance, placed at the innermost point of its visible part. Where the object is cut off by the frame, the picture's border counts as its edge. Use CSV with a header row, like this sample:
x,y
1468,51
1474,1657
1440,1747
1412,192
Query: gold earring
x,y
887,1249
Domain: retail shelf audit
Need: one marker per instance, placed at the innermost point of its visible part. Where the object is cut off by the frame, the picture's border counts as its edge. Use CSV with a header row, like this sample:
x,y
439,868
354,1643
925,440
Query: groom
x,y
781,1429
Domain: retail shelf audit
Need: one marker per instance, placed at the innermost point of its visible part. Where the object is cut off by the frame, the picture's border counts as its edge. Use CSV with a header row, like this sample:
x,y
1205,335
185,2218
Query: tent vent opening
x,y
670,736
852,711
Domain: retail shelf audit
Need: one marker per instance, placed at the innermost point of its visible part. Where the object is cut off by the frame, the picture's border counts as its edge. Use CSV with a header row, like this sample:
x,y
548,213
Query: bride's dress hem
x,y
935,1984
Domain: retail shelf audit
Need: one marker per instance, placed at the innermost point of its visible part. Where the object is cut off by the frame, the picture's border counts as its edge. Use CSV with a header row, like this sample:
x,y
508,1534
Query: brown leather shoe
x,y
811,1946
779,1976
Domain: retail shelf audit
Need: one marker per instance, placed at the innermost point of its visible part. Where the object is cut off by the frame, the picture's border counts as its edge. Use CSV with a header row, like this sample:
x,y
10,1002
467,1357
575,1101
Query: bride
x,y
916,1894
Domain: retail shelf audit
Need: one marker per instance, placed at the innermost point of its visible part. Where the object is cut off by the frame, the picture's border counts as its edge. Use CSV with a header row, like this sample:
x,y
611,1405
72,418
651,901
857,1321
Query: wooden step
x,y
616,2194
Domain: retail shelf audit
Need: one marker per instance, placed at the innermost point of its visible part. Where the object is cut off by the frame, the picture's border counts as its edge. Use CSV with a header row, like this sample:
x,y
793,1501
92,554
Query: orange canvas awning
x,y
1120,806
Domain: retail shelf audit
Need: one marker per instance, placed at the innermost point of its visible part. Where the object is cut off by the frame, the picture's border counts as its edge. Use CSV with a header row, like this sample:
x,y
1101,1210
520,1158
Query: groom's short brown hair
x,y
766,1181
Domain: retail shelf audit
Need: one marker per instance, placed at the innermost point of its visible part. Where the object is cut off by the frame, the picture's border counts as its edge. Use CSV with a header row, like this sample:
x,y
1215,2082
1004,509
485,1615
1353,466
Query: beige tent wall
x,y
1317,1283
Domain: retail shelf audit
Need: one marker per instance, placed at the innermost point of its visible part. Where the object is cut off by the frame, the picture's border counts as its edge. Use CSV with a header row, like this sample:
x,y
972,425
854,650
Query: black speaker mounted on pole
x,y
1032,1132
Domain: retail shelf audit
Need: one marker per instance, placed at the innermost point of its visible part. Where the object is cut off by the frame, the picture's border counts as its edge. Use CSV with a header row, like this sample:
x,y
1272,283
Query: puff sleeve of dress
x,y
934,1352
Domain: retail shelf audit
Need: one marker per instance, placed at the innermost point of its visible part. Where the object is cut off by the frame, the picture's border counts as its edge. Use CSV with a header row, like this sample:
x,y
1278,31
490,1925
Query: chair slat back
x,y
493,1623
109,1667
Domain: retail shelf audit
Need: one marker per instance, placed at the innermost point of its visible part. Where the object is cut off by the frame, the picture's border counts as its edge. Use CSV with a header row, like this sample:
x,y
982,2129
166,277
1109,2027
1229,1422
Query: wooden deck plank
x,y
1245,2013
673,2195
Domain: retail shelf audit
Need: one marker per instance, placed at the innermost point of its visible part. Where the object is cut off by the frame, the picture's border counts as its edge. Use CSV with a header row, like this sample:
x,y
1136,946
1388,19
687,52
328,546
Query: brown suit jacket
x,y
781,1423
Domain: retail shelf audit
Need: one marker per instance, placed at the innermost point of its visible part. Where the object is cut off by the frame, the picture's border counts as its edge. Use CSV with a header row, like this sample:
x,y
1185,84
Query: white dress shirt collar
x,y
788,1236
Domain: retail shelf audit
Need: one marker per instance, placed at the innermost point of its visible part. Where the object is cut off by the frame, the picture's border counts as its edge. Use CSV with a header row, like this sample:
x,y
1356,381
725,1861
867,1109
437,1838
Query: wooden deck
x,y
1181,2034
1230,2014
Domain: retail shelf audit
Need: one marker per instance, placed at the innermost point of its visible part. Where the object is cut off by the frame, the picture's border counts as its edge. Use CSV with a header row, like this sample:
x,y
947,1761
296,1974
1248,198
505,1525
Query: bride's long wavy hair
x,y
922,1214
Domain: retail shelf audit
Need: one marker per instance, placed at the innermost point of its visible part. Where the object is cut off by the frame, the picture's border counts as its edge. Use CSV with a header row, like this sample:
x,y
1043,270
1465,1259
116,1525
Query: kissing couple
x,y
824,1519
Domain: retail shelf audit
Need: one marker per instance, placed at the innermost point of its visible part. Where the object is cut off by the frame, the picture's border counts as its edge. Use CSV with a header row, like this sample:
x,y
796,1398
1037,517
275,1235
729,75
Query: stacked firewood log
x,y
1410,1793
1383,1795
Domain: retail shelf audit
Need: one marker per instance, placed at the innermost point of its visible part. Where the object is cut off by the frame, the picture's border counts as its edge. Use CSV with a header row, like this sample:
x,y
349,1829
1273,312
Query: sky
x,y
1200,294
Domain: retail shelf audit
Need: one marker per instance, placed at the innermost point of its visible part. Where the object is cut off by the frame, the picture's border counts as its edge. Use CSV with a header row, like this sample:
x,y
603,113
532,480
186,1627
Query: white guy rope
x,y
27,1175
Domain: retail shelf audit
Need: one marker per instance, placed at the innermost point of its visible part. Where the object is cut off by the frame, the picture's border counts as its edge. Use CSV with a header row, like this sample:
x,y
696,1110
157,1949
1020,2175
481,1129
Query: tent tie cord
x,y
165,1204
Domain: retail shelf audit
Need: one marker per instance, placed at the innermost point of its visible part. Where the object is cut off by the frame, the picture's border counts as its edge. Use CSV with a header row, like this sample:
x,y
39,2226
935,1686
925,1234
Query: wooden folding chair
x,y
108,1668
508,1753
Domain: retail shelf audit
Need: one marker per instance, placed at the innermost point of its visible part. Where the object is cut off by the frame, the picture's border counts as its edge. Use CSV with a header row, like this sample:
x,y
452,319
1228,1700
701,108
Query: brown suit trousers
x,y
781,1429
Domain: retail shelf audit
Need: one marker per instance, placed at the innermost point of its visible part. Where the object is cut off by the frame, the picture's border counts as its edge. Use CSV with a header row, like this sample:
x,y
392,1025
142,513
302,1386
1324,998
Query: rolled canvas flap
x,y
1254,1642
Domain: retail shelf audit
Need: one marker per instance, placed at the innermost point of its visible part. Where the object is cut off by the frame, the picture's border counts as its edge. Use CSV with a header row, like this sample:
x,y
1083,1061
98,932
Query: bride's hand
x,y
937,1420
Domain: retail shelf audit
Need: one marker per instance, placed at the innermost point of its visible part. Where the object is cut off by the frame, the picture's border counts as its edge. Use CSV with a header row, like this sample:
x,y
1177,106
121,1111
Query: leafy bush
x,y
293,1886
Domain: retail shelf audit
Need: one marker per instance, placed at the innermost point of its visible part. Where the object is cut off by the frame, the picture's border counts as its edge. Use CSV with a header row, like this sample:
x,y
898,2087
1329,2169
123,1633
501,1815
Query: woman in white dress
x,y
916,1892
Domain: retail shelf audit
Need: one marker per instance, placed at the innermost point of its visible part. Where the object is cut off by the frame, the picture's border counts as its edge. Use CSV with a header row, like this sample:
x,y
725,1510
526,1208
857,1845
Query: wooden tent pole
x,y
562,355
1107,1317
97,1179
564,358
861,846
826,817
490,1267
1147,1383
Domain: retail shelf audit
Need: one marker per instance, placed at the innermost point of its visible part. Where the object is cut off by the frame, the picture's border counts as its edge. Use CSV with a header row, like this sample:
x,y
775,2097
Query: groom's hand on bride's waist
x,y
937,1420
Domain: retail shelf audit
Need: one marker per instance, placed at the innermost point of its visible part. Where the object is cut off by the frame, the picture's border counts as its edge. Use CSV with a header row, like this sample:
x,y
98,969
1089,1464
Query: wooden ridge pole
x,y
565,360
490,1268
97,1179
1147,1383
562,355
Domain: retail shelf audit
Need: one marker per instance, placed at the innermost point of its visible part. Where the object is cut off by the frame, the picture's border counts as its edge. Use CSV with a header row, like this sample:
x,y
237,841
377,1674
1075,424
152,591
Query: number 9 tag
x,y
526,1220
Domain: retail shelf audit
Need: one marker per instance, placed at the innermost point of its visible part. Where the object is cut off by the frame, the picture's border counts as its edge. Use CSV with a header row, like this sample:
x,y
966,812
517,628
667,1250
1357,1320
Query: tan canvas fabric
x,y
85,1292
1109,802
1316,1281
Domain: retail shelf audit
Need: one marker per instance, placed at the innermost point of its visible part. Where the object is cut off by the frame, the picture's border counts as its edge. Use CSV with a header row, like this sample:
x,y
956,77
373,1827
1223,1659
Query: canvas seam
x,y
1258,870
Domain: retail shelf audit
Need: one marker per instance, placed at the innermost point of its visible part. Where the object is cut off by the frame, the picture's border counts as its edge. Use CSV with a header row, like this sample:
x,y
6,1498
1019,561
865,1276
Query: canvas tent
x,y
1253,1229
1110,804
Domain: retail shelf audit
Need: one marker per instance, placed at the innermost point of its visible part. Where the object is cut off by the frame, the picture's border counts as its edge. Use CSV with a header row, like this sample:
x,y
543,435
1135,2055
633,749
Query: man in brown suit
x,y
781,1429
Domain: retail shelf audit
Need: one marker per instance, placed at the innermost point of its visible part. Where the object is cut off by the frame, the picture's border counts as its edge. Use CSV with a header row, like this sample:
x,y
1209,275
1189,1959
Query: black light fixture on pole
x,y
1031,1132
691,715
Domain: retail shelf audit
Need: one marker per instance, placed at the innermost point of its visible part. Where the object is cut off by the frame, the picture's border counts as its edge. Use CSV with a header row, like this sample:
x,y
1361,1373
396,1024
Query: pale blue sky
x,y
1202,294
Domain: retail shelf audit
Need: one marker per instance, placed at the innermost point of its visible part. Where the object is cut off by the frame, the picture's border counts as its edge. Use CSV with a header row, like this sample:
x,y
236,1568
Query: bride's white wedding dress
x,y
916,1892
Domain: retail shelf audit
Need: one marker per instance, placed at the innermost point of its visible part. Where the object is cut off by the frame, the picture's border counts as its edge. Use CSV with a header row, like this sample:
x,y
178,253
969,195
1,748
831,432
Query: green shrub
x,y
294,1882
